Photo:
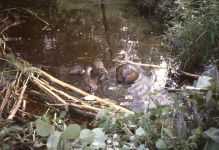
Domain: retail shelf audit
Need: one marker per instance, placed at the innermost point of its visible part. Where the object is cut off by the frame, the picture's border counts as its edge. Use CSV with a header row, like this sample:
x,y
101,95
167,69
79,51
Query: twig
x,y
66,85
29,11
189,74
49,91
5,100
84,105
138,64
13,112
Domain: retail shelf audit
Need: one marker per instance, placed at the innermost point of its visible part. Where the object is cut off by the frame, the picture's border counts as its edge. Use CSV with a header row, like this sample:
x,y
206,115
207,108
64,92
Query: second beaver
x,y
127,73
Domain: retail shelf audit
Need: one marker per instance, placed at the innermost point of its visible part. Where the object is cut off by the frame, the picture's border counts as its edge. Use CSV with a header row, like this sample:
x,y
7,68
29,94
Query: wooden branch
x,y
5,100
66,85
189,74
85,106
71,87
14,111
138,64
49,91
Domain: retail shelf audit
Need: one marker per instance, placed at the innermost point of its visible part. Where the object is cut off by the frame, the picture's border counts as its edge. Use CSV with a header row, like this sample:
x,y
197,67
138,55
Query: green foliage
x,y
193,32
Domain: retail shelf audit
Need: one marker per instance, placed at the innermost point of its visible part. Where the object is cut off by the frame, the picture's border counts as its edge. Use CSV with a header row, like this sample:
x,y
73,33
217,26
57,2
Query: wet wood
x,y
139,64
74,99
39,82
77,90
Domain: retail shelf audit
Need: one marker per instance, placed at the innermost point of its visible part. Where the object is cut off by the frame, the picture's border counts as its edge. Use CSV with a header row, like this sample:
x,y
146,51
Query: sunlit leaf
x,y
53,140
160,144
43,129
71,132
212,133
99,139
86,136
101,114
140,131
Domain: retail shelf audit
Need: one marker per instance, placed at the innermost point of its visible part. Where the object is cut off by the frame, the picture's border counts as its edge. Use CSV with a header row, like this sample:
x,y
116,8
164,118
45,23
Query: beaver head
x,y
127,73
89,85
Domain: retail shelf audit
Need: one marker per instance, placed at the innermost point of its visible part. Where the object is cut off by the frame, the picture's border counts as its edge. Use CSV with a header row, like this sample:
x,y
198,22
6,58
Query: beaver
x,y
77,70
89,85
99,68
127,73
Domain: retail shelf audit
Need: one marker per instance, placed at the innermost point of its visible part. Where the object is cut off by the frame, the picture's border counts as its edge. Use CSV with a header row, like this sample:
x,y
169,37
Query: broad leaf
x,y
86,136
53,140
71,132
99,139
160,144
43,129
213,133
140,131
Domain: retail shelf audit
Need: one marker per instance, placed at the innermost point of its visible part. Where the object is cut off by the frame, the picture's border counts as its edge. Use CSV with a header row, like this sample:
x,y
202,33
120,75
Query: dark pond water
x,y
81,31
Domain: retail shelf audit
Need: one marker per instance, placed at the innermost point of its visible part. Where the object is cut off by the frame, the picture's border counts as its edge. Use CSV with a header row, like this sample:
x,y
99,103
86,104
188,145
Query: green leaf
x,y
71,132
160,144
43,129
168,132
14,129
53,140
86,136
62,114
213,133
99,139
211,145
5,130
101,114
140,131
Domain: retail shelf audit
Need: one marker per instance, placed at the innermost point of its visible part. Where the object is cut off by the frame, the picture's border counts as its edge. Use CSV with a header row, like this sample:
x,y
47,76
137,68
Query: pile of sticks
x,y
59,96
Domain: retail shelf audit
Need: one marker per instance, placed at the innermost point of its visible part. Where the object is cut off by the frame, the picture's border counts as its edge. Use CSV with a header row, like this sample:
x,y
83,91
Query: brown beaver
x,y
99,68
77,70
127,73
89,85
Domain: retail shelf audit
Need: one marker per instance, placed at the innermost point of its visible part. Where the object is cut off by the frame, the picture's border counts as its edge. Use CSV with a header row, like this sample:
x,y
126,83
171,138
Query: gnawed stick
x,y
138,64
74,99
49,91
85,106
71,87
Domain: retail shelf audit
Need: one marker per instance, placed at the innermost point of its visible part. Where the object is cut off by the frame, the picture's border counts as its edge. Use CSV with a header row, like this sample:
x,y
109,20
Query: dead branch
x,y
14,111
41,84
66,85
138,64
5,100
50,89
189,74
